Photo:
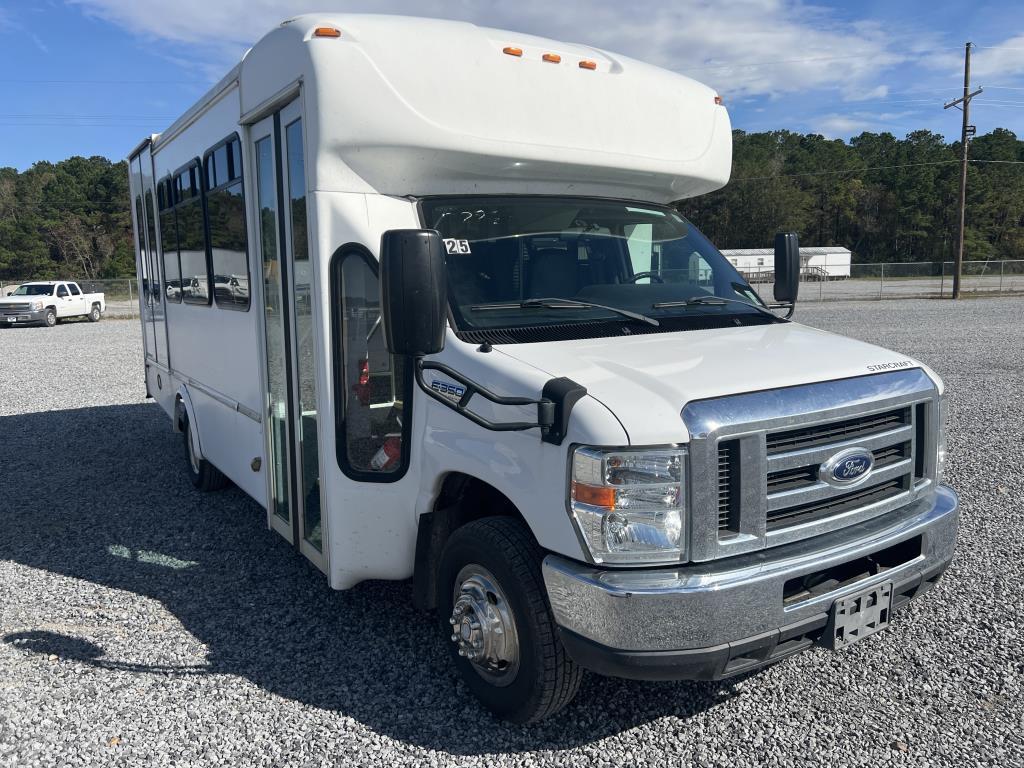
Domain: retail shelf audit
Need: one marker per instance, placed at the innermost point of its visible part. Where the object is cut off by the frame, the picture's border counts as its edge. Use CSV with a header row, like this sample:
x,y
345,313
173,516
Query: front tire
x,y
203,474
50,319
494,609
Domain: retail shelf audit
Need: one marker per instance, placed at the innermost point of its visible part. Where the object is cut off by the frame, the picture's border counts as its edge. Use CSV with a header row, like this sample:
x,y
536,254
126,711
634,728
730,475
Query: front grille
x,y
837,431
801,477
10,308
728,477
755,459
834,505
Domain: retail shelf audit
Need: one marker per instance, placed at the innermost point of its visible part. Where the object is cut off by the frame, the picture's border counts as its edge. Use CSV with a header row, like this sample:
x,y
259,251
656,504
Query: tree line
x,y
884,198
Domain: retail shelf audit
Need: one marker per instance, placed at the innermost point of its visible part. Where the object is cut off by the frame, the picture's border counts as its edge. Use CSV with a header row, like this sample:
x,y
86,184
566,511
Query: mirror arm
x,y
791,306
545,407
553,408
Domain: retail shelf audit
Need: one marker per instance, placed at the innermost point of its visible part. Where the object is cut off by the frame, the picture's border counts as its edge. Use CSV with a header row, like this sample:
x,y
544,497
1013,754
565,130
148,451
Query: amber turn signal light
x,y
595,495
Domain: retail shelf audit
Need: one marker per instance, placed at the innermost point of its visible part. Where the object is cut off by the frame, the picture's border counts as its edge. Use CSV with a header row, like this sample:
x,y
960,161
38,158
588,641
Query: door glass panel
x,y
373,377
304,340
274,309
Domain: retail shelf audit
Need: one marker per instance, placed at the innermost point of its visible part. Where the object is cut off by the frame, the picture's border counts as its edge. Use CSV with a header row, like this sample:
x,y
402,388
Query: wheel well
x,y
180,414
463,498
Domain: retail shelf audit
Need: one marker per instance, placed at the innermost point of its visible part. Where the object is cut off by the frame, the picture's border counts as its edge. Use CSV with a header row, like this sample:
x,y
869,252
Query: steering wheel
x,y
655,278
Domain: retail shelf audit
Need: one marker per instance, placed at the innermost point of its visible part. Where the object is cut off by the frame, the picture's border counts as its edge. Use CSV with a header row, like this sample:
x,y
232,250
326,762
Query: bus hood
x,y
645,380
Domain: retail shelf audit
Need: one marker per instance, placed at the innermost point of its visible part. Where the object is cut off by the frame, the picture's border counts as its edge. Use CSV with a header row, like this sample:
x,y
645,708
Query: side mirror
x,y
414,291
787,267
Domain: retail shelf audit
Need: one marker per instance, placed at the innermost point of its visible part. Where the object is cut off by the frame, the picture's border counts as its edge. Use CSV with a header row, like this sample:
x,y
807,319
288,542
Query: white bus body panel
x,y
404,106
215,353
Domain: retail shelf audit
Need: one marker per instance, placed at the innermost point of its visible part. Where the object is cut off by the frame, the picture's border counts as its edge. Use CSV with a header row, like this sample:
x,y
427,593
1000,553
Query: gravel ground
x,y
144,623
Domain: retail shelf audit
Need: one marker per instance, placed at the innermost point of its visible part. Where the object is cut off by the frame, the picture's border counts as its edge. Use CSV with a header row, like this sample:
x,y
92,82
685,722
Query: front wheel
x,y
495,611
51,317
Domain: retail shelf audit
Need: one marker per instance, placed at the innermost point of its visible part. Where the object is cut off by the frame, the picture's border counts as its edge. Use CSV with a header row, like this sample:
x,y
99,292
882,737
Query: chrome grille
x,y
834,505
756,458
826,434
727,457
16,307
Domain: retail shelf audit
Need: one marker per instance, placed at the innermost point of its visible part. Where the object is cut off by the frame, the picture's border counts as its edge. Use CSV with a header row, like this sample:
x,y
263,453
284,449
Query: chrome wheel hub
x,y
483,627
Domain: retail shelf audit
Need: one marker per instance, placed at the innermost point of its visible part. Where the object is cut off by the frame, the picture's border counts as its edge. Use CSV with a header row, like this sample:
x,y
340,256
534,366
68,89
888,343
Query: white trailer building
x,y
816,263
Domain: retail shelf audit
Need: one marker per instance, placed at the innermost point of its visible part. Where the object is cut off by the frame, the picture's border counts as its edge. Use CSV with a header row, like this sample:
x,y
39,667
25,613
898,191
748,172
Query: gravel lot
x,y
142,622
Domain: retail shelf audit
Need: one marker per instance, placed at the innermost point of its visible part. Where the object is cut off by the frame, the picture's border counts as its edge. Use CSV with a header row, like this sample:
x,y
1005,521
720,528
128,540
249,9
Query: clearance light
x,y
511,50
554,58
326,32
718,100
588,64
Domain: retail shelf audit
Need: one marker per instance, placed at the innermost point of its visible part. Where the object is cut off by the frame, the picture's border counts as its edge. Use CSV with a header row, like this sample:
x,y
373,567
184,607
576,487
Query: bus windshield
x,y
33,290
506,254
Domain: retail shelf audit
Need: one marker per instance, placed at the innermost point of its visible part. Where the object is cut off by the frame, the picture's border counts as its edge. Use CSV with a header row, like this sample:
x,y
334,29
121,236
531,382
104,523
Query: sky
x,y
93,77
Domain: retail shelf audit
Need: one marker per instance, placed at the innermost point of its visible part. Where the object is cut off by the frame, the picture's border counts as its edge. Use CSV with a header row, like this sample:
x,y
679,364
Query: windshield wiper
x,y
556,303
712,301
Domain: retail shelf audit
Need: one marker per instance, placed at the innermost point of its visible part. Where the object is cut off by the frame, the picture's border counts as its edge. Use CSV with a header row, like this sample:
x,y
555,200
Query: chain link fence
x,y
865,282
120,294
900,281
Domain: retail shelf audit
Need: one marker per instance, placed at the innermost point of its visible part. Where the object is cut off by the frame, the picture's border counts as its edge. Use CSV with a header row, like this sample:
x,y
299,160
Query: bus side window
x,y
370,382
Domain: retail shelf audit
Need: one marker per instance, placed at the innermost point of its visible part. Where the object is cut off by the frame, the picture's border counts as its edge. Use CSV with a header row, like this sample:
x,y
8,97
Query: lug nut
x,y
462,651
451,620
455,638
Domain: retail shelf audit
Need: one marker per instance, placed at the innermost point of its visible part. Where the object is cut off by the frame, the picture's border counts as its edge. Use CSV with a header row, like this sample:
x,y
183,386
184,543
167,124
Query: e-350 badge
x,y
449,390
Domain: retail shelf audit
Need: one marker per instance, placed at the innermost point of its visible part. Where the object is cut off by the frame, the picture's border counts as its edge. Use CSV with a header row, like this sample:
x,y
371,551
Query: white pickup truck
x,y
46,302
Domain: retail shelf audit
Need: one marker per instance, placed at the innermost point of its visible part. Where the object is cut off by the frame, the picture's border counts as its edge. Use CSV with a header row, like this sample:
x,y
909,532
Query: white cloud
x,y
741,47
1005,59
836,125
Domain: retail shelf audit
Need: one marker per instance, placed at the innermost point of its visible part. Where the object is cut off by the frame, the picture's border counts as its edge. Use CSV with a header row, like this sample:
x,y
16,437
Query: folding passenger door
x,y
290,350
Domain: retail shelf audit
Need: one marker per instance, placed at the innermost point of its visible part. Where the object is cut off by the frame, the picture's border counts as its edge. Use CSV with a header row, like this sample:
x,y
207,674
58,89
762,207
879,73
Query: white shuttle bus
x,y
417,287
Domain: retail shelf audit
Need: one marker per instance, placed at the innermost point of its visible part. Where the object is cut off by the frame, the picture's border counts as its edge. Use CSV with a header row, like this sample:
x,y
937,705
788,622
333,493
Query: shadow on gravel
x,y
124,515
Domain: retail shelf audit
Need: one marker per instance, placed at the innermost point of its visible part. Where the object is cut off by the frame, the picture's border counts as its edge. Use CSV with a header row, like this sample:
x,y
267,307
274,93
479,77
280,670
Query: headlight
x,y
629,505
940,439
37,305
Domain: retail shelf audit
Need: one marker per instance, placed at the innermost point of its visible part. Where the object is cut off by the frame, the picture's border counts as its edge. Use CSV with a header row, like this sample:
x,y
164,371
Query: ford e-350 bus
x,y
417,288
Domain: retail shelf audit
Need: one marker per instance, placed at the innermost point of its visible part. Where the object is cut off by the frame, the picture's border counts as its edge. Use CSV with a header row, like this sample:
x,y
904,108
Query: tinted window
x,y
195,282
74,289
154,270
62,291
370,385
225,210
169,243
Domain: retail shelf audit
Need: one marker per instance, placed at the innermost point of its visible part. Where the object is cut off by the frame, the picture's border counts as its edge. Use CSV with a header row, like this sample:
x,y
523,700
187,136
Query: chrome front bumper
x,y
724,617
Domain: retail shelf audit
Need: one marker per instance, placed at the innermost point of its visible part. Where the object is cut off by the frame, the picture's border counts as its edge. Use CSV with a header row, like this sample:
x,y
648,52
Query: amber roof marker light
x,y
326,32
553,58
718,100
588,64
511,50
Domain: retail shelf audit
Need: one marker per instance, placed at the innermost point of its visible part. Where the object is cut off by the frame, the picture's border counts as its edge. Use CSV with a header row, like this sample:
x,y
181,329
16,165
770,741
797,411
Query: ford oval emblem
x,y
847,467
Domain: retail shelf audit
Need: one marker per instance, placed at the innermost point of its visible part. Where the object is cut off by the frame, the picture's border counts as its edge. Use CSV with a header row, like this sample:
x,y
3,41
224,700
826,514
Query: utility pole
x,y
965,134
